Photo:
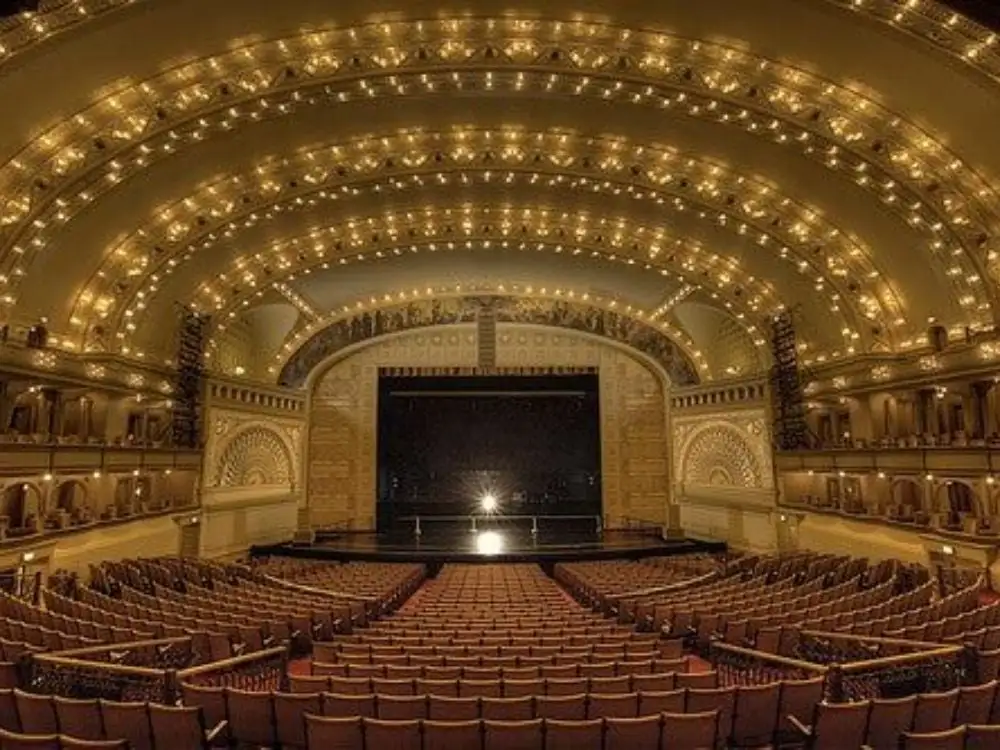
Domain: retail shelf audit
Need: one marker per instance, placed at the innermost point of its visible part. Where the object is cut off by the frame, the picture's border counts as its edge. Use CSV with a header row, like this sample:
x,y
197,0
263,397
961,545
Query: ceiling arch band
x,y
250,277
934,22
752,324
796,233
912,167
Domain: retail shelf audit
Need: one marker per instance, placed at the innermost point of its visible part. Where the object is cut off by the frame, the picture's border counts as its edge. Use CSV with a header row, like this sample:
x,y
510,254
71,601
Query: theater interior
x,y
587,374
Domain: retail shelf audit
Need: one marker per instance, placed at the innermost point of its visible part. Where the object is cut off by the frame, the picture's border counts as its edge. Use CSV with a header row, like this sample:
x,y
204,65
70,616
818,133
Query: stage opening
x,y
518,453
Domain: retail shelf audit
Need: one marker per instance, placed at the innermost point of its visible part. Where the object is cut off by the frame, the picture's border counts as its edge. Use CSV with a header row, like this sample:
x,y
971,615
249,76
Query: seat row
x,y
506,687
145,726
507,658
664,731
592,638
879,723
566,665
529,632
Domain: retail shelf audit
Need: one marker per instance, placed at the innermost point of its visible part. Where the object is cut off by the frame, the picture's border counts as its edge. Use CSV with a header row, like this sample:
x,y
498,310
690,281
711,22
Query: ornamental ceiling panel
x,y
832,157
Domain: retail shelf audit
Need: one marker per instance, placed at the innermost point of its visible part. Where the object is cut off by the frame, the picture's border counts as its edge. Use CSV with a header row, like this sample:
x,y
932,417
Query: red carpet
x,y
300,667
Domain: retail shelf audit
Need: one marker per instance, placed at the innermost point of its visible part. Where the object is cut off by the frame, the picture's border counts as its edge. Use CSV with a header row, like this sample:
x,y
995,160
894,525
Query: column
x,y
5,404
86,418
56,413
977,420
926,412
862,427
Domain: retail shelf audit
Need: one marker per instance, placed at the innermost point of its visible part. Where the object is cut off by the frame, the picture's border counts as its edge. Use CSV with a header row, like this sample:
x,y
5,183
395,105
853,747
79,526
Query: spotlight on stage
x,y
489,503
489,543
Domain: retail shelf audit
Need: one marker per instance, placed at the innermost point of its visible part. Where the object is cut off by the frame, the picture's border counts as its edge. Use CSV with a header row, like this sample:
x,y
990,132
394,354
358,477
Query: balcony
x,y
16,539
37,458
964,460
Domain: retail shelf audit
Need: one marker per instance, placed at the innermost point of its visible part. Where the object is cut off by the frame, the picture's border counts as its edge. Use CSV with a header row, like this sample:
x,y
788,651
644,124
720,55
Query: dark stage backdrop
x,y
533,442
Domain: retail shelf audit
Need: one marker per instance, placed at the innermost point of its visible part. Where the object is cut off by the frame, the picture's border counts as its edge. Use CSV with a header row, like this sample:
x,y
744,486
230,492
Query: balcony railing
x,y
967,460
15,538
67,458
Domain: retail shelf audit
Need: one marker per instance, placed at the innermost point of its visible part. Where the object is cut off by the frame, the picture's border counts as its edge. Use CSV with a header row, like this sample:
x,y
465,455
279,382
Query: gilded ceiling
x,y
695,166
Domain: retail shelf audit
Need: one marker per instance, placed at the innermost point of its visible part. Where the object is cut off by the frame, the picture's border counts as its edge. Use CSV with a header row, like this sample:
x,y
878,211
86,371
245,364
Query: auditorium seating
x,y
501,656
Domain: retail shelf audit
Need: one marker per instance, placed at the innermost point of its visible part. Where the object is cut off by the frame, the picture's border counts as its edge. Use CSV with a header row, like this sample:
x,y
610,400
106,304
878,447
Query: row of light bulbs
x,y
638,243
486,229
710,186
936,23
929,477
915,220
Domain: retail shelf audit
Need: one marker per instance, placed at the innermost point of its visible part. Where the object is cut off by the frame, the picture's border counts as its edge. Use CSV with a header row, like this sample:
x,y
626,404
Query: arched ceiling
x,y
703,165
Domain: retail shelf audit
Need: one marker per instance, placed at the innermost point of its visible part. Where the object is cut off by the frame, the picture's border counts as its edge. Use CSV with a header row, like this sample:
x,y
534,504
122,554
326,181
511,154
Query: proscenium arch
x,y
352,369
575,316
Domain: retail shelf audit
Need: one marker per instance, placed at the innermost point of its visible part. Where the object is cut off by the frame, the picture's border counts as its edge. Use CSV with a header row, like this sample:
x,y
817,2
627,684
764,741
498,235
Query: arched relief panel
x,y
255,457
341,471
251,451
731,451
724,479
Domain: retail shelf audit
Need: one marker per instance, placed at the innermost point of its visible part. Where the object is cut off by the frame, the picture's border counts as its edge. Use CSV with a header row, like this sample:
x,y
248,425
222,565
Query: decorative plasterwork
x,y
407,162
579,316
725,450
244,449
832,125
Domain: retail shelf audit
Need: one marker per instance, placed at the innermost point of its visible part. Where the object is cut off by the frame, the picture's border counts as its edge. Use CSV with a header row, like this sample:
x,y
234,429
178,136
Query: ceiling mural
x,y
669,176
382,321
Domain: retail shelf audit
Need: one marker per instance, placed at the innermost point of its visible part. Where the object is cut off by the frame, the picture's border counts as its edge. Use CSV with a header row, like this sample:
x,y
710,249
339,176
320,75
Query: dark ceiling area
x,y
985,11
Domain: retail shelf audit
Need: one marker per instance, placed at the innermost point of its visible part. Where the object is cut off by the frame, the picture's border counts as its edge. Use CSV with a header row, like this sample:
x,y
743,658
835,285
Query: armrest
x,y
214,732
800,727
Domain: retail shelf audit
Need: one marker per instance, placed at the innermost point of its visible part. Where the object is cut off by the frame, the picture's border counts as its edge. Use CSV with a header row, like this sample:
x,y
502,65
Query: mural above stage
x,y
370,324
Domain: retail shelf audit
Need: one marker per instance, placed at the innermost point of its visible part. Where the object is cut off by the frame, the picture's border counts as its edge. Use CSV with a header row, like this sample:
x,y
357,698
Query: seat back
x,y
949,739
513,735
127,720
337,733
177,727
692,731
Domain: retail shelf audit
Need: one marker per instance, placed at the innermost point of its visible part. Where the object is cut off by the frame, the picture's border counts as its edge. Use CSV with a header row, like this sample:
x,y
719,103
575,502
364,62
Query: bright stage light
x,y
489,503
489,543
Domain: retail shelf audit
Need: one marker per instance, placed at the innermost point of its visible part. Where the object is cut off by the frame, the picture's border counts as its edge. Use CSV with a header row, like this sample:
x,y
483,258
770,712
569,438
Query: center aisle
x,y
500,656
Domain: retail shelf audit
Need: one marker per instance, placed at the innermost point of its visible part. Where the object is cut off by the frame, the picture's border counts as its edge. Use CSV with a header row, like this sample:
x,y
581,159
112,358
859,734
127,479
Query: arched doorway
x,y
21,510
71,504
907,502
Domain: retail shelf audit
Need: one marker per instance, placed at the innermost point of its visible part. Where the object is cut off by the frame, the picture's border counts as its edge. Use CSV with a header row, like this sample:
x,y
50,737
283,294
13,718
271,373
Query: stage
x,y
491,544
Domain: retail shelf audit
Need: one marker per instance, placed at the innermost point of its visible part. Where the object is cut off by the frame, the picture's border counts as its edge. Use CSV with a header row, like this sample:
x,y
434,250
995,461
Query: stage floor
x,y
492,545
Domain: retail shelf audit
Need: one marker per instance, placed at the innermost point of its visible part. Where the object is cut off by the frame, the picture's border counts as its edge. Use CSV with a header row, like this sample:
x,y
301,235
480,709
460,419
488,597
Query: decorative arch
x,y
72,496
718,455
908,496
611,324
256,456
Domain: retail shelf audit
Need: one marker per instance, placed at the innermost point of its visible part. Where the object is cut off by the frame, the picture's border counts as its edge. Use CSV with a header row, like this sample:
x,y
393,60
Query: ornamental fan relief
x,y
720,456
255,457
